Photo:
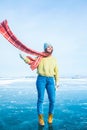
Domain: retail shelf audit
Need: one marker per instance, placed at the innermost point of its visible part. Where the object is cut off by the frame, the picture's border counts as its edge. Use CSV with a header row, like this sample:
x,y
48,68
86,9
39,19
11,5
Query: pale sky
x,y
62,23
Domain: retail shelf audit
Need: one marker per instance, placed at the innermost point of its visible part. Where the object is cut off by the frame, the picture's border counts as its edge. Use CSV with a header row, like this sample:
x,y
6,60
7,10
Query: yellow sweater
x,y
48,67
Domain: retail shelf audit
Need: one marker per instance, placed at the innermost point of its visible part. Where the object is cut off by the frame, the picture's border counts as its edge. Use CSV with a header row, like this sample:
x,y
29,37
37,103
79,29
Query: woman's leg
x,y
51,94
40,83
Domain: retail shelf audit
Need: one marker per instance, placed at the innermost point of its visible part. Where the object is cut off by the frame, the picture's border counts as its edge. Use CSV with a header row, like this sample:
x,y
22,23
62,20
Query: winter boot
x,y
50,118
41,120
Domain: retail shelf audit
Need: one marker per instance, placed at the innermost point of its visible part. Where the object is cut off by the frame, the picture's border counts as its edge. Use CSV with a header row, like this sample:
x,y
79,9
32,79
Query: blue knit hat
x,y
46,45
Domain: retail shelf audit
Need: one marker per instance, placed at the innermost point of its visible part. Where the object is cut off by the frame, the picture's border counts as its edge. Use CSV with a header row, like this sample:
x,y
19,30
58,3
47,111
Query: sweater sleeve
x,y
27,60
56,76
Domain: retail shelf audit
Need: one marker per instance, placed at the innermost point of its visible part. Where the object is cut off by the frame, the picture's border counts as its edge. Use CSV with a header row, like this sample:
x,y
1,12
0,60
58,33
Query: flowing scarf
x,y
8,34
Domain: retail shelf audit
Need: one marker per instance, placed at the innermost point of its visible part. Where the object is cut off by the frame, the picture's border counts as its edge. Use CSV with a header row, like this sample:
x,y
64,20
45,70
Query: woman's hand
x,y
21,56
56,86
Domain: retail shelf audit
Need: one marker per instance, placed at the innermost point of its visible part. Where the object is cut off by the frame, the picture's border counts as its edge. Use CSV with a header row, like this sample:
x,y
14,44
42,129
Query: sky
x,y
62,23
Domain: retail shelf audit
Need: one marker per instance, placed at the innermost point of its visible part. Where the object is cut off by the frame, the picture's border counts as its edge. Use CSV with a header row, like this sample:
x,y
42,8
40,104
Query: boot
x,y
41,120
50,118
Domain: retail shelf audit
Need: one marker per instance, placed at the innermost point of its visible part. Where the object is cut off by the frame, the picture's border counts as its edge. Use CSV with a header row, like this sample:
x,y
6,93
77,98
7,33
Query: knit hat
x,y
46,45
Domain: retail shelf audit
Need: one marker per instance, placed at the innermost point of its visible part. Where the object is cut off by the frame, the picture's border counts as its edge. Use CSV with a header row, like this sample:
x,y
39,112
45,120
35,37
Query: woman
x,y
47,78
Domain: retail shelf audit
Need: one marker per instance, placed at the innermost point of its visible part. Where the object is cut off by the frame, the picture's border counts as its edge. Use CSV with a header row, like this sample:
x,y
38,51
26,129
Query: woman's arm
x,y
25,59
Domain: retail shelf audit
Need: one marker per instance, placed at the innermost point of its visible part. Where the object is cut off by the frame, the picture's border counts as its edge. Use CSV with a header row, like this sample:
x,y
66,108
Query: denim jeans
x,y
42,83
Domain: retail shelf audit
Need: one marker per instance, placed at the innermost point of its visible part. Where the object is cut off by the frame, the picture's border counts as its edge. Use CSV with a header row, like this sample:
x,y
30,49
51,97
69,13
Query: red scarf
x,y
8,34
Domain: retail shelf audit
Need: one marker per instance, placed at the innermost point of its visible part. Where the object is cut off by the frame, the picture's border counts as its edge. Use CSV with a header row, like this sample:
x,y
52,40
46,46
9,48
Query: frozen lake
x,y
18,99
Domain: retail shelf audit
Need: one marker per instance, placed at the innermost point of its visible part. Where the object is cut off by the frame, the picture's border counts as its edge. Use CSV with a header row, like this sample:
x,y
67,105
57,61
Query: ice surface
x,y
18,105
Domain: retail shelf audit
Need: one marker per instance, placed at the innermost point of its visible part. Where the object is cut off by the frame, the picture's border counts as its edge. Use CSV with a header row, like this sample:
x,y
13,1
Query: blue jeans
x,y
47,83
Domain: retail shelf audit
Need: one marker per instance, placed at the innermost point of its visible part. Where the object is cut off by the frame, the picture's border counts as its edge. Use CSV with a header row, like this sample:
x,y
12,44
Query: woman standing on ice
x,y
47,79
46,66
